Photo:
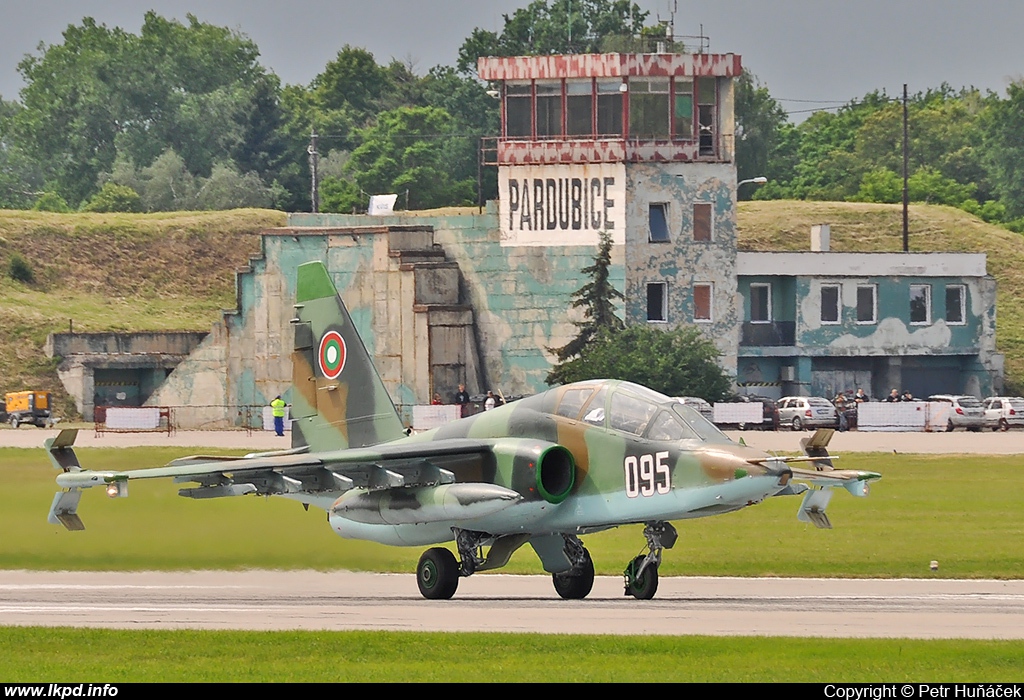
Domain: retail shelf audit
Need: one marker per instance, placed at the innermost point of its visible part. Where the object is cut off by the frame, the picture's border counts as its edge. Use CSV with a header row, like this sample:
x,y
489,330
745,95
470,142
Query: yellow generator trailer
x,y
28,407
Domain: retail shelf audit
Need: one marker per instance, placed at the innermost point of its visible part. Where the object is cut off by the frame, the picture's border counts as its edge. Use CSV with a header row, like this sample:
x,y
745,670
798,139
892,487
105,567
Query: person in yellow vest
x,y
277,406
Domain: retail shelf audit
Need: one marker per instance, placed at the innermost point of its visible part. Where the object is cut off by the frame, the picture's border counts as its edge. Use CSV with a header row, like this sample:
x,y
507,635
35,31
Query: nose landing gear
x,y
641,575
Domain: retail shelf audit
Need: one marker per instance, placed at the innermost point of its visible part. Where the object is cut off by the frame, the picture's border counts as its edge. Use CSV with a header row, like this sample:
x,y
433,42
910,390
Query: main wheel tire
x,y
437,574
576,585
797,423
949,426
14,422
644,587
1003,425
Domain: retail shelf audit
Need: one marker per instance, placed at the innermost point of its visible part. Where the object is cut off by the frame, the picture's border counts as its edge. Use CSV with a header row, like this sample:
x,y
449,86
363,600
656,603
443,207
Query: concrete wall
x,y
520,295
682,262
138,360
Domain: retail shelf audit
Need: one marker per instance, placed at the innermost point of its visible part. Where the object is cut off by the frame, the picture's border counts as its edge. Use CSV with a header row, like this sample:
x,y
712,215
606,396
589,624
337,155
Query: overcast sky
x,y
803,50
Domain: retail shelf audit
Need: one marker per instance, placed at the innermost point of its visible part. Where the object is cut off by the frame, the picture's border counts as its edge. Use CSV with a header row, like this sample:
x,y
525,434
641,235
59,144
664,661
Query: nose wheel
x,y
641,575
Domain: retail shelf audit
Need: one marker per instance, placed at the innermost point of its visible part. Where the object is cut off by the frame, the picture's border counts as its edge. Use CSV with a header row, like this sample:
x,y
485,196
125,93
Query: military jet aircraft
x,y
542,471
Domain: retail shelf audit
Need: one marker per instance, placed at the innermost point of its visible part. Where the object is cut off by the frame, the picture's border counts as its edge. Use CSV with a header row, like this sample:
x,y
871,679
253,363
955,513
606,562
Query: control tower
x,y
640,146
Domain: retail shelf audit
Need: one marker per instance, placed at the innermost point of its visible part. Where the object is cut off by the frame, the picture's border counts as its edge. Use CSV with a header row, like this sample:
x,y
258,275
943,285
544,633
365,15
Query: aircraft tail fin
x,y
338,399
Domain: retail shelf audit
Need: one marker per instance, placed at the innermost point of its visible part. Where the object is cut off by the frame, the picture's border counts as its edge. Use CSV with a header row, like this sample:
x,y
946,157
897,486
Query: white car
x,y
964,411
1004,412
801,412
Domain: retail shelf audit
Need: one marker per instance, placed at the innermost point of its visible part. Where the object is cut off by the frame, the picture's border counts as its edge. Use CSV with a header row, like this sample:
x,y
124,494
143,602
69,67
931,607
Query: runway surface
x,y
309,600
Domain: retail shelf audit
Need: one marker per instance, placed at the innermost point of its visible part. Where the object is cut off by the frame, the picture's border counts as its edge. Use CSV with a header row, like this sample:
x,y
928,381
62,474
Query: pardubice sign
x,y
561,204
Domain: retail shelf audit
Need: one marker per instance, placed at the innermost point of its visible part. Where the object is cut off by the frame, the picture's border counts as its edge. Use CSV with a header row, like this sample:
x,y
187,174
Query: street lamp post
x,y
755,180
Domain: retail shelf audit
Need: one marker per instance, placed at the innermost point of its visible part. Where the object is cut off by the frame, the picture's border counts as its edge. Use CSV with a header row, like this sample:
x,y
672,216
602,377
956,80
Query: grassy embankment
x,y
118,656
965,511
174,271
115,272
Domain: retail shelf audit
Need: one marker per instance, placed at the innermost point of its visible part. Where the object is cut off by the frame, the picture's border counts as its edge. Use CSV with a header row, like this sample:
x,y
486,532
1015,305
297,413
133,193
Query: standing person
x,y
489,402
861,397
893,397
844,422
462,400
436,401
907,396
277,406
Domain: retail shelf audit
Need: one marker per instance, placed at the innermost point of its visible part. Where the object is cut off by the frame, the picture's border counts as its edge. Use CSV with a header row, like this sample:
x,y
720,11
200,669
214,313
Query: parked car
x,y
770,412
1004,412
964,412
799,412
698,404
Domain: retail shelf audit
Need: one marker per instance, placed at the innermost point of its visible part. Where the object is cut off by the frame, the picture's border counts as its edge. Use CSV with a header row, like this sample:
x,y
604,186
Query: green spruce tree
x,y
597,299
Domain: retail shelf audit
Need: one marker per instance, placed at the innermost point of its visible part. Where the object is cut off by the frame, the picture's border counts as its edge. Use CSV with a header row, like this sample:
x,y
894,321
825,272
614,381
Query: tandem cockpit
x,y
631,409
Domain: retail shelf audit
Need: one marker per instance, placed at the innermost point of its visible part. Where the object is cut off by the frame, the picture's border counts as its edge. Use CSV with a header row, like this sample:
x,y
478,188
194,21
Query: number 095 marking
x,y
647,475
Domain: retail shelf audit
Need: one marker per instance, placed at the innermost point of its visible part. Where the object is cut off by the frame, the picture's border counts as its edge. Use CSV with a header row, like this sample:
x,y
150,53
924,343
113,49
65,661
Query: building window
x,y
549,109
760,303
702,222
658,220
830,303
956,305
579,108
707,117
867,306
517,111
683,109
920,304
609,108
648,108
657,302
702,301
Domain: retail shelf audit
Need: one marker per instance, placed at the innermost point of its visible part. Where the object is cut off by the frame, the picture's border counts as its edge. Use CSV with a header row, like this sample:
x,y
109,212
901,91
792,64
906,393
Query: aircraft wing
x,y
311,478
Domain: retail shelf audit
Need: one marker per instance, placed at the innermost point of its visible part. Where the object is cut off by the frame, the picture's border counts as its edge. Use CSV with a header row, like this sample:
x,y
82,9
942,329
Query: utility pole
x,y
906,189
314,160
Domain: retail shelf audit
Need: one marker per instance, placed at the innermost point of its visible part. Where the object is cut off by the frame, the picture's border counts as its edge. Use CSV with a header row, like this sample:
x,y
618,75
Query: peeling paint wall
x,y
682,261
890,351
520,295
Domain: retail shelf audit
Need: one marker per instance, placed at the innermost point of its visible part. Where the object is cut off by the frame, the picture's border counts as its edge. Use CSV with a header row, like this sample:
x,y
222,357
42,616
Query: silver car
x,y
801,412
1004,412
964,411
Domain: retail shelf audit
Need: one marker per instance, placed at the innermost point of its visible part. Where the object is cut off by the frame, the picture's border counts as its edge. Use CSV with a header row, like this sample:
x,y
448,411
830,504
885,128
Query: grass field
x,y
113,656
967,512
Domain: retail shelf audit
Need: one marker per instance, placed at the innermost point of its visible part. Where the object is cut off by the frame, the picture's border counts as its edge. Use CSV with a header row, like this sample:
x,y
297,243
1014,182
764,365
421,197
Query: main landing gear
x,y
575,584
641,575
439,570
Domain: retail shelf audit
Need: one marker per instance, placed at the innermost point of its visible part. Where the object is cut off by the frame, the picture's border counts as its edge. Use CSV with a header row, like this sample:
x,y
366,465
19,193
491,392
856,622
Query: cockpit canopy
x,y
635,410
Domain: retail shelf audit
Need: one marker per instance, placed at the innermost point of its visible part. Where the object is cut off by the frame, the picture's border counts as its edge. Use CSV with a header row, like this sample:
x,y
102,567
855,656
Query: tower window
x,y
658,220
657,302
702,294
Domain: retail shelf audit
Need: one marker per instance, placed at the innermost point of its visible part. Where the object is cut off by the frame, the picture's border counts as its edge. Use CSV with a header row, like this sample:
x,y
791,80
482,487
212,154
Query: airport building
x,y
641,146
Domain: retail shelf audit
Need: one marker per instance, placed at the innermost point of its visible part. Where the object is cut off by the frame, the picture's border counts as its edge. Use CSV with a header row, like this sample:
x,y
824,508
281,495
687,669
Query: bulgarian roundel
x,y
332,354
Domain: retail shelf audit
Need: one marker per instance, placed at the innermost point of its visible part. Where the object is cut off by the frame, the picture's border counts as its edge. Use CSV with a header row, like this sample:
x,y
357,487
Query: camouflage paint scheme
x,y
543,470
